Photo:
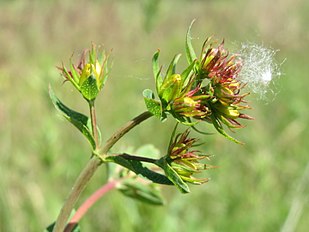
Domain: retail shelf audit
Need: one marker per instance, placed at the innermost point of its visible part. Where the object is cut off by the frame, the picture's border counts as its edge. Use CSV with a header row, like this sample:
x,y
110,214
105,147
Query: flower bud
x,y
89,76
184,160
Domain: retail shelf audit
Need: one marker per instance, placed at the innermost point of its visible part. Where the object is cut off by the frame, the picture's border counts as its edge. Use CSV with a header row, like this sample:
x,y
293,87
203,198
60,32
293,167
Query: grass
x,y
256,184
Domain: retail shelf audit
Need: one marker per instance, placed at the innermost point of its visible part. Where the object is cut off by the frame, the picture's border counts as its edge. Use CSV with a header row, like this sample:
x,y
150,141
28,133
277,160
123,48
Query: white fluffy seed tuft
x,y
259,69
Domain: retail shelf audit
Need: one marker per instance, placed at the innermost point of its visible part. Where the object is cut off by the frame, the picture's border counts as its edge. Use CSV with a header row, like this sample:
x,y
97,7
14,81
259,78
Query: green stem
x,y
94,123
90,169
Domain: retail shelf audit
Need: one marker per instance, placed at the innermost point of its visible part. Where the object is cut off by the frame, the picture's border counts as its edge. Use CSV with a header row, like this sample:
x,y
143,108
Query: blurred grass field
x,y
261,186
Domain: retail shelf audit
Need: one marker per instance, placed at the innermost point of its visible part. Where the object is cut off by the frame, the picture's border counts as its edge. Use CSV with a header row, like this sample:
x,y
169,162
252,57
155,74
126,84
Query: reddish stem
x,y
82,210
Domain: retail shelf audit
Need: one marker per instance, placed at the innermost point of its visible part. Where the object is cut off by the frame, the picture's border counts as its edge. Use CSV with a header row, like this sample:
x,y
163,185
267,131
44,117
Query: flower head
x,y
207,90
222,70
89,75
184,160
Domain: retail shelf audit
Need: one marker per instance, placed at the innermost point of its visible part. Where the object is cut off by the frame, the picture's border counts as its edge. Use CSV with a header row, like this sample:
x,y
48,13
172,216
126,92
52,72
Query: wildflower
x,y
184,160
89,76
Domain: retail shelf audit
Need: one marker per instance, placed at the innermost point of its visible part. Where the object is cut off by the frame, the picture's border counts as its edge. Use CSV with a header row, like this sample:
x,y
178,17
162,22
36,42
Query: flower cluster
x,y
184,160
89,76
208,90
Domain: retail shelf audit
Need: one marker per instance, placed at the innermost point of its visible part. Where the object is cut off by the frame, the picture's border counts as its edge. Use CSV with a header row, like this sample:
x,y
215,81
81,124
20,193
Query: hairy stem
x,y
82,210
90,169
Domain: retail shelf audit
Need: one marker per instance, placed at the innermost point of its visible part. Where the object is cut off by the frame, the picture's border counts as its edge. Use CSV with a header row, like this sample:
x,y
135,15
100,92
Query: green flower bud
x,y
89,76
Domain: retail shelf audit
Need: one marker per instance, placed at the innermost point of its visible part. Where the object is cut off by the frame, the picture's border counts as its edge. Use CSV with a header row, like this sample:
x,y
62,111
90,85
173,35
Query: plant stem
x,y
94,123
90,169
82,210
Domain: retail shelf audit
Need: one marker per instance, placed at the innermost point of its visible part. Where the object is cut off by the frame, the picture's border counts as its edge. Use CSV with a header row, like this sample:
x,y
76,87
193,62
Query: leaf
x,y
190,53
143,192
173,176
152,105
217,124
138,168
186,73
89,88
156,70
172,67
80,121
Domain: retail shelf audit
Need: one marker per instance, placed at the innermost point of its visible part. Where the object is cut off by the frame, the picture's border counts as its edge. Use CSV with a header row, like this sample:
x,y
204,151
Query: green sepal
x,y
147,193
190,53
80,121
173,176
138,168
218,125
152,105
89,88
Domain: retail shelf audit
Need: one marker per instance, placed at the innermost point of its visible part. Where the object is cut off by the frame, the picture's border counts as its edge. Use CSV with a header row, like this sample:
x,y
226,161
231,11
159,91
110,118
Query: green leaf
x,y
190,53
89,88
172,67
146,193
156,70
217,124
173,176
152,105
186,73
138,168
80,121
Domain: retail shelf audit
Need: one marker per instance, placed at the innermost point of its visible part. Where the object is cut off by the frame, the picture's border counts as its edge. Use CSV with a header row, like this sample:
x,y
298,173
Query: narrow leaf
x,y
186,73
172,67
156,70
190,53
138,168
217,124
173,176
155,64
80,121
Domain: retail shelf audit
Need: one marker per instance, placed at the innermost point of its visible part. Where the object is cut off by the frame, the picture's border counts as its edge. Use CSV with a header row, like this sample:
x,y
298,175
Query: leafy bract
x,y
173,176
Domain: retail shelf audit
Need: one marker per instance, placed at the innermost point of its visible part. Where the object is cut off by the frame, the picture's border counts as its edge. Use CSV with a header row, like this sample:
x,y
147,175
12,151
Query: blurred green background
x,y
262,186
